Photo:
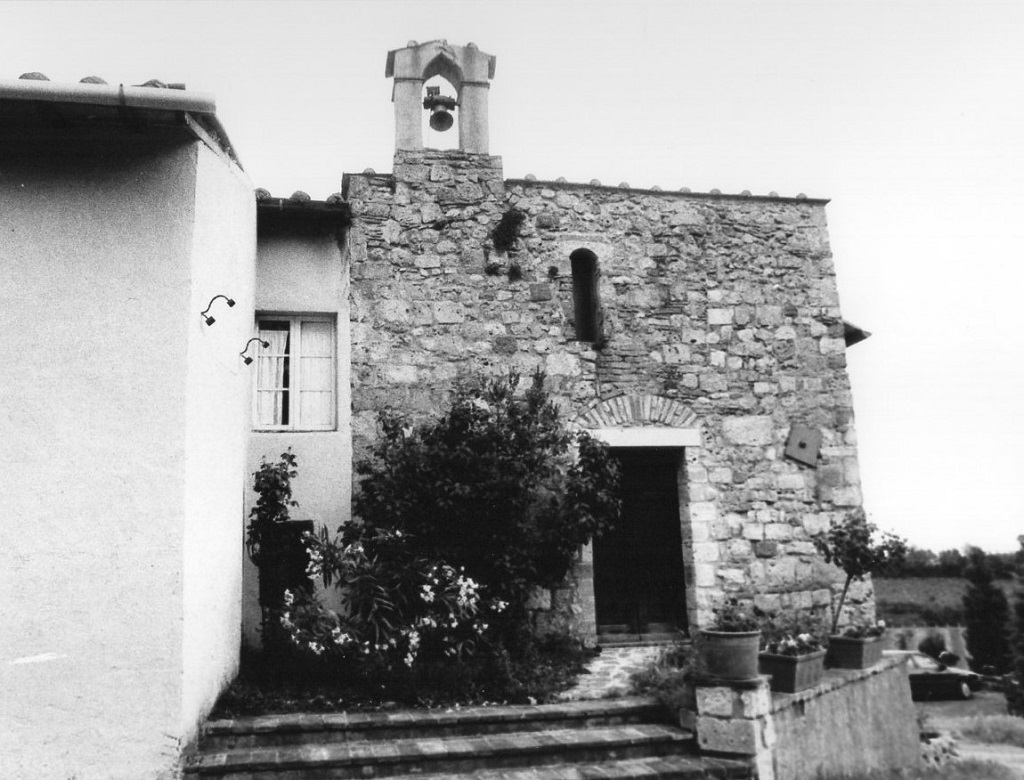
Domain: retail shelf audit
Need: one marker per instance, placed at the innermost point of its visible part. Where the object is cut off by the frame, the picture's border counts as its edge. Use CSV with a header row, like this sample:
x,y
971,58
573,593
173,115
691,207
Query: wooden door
x,y
638,567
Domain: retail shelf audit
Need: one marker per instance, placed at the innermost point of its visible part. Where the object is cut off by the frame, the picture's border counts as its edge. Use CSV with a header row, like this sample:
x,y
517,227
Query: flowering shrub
x,y
395,611
457,521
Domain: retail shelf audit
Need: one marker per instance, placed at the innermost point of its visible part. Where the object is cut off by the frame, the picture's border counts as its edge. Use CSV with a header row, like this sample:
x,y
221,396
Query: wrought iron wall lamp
x,y
246,358
210,320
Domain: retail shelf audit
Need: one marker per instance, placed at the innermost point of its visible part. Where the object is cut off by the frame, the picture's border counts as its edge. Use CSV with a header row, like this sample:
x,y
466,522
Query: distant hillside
x,y
926,601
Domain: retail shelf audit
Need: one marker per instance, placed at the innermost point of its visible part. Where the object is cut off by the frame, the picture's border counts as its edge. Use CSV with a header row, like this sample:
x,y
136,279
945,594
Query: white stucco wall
x,y
217,415
94,307
304,275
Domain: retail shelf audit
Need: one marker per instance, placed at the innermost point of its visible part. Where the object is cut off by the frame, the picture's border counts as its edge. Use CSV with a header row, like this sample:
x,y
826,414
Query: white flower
x,y
289,598
316,647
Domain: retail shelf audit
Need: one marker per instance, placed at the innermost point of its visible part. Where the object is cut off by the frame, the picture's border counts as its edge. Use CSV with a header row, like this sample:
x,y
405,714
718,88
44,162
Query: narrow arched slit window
x,y
585,299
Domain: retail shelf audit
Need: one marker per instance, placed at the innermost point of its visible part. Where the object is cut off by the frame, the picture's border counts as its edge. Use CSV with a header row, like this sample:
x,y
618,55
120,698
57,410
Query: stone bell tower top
x,y
466,68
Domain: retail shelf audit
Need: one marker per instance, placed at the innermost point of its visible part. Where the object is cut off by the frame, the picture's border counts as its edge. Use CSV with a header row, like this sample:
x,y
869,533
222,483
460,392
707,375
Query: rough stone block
x,y
848,496
703,512
739,549
778,532
780,573
705,552
702,492
401,374
766,549
832,346
448,312
721,735
676,354
505,345
791,481
720,316
755,430
769,603
716,700
441,173
753,531
704,575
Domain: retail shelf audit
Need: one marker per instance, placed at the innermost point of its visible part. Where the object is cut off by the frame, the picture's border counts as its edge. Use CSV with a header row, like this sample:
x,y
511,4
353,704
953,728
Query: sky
x,y
909,116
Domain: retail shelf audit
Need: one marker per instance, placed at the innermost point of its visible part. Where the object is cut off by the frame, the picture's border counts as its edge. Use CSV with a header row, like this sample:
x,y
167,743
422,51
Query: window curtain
x,y
270,385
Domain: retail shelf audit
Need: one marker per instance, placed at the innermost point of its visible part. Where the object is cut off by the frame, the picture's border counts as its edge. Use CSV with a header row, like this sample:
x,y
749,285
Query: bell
x,y
440,119
440,107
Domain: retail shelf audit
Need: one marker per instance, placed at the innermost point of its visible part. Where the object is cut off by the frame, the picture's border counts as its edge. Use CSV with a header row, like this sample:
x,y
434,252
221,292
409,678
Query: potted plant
x,y
728,649
857,547
793,654
858,646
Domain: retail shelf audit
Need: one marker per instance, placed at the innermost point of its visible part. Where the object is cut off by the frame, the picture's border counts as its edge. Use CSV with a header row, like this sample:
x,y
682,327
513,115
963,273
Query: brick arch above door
x,y
642,421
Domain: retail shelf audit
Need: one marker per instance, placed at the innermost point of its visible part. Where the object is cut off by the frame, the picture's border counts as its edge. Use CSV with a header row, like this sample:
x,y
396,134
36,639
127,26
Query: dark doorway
x,y
638,567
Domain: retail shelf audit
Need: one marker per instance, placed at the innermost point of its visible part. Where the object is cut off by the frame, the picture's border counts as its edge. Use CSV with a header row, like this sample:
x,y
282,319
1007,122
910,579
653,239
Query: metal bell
x,y
440,107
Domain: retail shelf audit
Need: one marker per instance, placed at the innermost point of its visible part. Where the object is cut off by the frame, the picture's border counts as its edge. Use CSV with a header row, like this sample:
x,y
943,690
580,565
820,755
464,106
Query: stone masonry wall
x,y
722,306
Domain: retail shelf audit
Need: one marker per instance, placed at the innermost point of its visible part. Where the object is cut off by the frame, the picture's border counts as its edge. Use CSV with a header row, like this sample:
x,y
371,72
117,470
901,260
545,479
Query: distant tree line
x,y
955,563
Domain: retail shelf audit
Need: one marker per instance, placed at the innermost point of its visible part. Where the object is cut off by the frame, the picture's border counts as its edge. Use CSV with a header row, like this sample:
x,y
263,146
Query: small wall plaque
x,y
803,445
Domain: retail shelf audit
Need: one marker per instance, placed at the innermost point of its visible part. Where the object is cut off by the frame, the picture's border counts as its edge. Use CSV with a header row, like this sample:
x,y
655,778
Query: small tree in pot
x,y
859,549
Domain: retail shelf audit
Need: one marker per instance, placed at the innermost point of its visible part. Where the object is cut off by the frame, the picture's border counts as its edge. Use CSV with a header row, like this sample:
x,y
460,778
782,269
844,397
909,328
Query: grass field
x,y
926,601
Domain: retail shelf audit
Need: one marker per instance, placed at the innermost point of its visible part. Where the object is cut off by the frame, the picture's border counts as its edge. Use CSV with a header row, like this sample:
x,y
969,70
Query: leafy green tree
x,y
986,615
1015,688
951,563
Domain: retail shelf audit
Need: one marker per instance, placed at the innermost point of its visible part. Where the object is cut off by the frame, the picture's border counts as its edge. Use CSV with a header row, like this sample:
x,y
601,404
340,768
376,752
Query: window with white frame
x,y
295,374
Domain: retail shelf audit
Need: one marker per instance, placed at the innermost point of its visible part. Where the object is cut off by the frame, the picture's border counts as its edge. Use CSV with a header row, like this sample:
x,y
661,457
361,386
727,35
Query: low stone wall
x,y
854,721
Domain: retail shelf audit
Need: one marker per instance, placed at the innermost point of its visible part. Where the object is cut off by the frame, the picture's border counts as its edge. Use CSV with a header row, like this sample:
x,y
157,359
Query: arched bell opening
x,y
440,124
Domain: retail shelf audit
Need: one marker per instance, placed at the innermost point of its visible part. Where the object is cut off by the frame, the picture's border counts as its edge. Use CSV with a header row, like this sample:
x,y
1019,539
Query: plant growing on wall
x,y
506,231
858,548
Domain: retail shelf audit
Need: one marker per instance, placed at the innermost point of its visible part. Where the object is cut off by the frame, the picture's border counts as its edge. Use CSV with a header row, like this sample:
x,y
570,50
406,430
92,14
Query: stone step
x,y
281,730
635,640
658,768
418,756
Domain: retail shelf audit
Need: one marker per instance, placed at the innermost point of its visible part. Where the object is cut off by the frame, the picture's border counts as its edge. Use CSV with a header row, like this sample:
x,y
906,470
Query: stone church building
x,y
698,334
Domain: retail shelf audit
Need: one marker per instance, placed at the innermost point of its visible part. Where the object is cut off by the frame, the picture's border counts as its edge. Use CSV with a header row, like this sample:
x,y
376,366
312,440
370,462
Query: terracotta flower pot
x,y
729,655
793,673
845,652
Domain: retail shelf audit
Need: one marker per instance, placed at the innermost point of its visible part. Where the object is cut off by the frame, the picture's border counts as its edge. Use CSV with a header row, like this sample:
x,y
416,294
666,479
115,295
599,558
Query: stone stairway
x,y
613,738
